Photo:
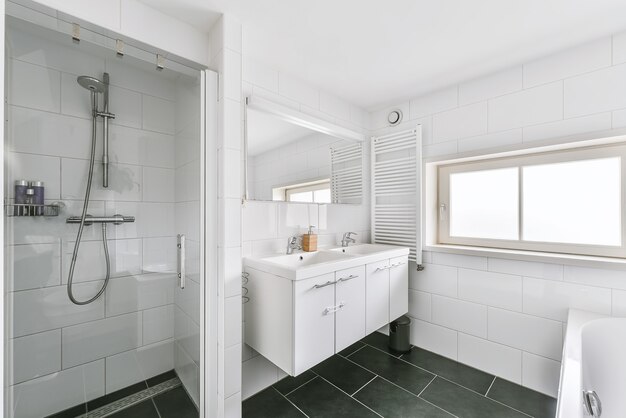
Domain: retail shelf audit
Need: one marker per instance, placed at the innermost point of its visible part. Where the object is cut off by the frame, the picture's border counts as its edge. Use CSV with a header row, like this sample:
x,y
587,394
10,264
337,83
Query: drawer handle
x,y
397,265
382,268
319,286
333,309
345,279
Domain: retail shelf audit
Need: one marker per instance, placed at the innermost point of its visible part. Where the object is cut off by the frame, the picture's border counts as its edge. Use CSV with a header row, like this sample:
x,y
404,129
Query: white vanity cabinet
x,y
299,316
387,284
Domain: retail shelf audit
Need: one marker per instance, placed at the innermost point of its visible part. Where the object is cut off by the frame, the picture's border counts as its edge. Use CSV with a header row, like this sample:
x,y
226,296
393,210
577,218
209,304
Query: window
x,y
313,192
566,201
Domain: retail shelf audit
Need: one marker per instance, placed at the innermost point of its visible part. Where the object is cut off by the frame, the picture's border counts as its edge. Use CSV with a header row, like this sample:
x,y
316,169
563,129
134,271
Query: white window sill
x,y
536,256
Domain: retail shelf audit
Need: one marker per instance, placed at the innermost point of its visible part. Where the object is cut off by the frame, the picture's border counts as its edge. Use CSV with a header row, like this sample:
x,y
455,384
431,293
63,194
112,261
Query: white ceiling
x,y
373,52
267,132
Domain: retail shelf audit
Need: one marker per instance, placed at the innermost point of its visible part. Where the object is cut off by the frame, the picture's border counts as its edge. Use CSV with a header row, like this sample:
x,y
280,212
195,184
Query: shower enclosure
x,y
103,310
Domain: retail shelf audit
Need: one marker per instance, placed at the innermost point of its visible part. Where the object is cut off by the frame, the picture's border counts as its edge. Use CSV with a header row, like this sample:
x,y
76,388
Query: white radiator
x,y
346,174
396,190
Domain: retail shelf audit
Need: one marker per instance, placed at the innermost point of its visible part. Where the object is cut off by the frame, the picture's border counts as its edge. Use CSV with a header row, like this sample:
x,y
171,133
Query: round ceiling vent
x,y
394,117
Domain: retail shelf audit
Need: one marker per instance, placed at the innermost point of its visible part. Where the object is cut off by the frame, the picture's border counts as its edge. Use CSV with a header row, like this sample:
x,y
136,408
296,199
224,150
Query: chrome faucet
x,y
292,244
347,239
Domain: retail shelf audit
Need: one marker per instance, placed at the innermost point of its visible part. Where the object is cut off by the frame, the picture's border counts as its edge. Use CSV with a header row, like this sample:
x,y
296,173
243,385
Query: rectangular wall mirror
x,y
293,157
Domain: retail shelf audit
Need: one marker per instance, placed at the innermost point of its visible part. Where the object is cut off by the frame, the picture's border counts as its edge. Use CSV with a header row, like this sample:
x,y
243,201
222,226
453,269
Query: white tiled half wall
x,y
63,354
503,316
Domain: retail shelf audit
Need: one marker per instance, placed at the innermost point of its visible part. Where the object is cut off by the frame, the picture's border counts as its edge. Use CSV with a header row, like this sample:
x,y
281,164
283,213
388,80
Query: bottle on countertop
x,y
309,240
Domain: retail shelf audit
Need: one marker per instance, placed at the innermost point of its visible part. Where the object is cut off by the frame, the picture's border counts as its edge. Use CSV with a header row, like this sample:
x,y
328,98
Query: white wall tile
x,y
127,106
158,115
420,305
188,372
137,79
34,266
297,90
619,48
134,146
158,324
434,278
259,74
232,406
34,356
498,359
529,333
231,270
157,219
260,220
133,366
295,218
552,299
618,302
158,184
232,75
461,122
595,277
581,59
444,148
159,254
75,100
527,107
458,260
38,132
258,373
49,308
124,181
526,268
232,370
229,212
493,85
599,122
232,314
134,293
36,167
124,255
94,340
466,317
60,390
541,374
498,139
434,102
493,289
595,92
434,338
378,118
34,86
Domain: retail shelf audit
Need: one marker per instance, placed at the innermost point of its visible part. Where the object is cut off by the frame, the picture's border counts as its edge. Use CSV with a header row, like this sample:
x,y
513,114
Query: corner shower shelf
x,y
26,209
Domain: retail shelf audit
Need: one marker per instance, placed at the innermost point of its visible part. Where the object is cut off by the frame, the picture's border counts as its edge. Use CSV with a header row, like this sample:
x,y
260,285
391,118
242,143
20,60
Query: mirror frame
x,y
295,117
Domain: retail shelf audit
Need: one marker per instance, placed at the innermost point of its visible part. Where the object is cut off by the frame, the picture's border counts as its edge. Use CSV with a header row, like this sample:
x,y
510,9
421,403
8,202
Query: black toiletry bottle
x,y
20,197
38,196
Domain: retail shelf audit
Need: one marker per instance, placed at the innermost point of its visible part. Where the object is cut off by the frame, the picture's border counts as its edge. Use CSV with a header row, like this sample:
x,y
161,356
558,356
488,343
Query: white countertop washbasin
x,y
303,265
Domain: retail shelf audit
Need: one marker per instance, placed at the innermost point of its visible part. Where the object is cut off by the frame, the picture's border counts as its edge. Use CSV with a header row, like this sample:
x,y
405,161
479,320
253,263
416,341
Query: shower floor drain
x,y
133,399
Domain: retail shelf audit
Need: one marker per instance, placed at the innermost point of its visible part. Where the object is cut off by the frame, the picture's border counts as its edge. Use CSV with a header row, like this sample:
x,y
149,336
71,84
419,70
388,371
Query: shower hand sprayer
x,y
96,87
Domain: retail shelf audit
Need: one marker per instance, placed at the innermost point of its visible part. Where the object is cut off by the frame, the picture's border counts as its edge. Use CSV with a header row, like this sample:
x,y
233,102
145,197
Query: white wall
x,y
127,335
508,317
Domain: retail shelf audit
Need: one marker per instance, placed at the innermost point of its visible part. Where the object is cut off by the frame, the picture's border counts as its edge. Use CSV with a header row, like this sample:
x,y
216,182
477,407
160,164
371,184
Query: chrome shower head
x,y
91,84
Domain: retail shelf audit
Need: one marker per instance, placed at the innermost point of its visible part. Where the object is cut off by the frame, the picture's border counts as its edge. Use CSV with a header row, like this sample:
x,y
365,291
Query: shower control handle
x,y
90,220
181,260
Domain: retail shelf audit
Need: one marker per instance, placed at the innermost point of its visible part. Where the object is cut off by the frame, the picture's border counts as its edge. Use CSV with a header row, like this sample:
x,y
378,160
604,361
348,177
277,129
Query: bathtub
x,y
594,359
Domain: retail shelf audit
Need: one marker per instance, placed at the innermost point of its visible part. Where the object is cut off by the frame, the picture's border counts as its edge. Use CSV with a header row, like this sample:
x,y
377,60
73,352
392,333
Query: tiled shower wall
x,y
506,316
299,161
63,354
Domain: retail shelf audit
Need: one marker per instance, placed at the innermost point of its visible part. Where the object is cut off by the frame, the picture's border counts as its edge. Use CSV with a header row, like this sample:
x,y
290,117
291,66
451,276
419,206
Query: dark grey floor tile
x,y
459,373
290,383
71,412
144,409
163,377
344,374
397,371
351,349
380,341
526,400
464,403
392,402
269,404
320,399
175,403
117,395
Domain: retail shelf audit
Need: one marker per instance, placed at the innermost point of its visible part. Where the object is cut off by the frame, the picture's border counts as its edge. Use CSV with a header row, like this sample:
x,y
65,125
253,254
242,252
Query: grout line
x,y
492,382
346,393
156,407
308,381
370,381
289,400
354,352
431,381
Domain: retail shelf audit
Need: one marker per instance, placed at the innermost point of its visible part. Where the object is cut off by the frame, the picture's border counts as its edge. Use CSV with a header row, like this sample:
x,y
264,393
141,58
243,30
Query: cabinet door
x,y
314,323
398,287
350,297
376,295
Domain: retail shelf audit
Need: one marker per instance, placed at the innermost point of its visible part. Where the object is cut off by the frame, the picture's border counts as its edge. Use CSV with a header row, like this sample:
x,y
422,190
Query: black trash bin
x,y
399,334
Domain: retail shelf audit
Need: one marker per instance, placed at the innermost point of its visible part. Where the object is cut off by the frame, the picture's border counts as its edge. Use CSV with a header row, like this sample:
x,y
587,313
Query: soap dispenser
x,y
309,240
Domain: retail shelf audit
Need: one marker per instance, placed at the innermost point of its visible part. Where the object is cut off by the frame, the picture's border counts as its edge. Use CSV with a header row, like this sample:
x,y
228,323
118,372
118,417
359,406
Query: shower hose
x,y
79,235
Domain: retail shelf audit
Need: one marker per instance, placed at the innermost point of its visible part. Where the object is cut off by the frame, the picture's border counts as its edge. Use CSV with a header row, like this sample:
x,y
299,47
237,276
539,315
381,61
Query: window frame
x,y
307,187
566,155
